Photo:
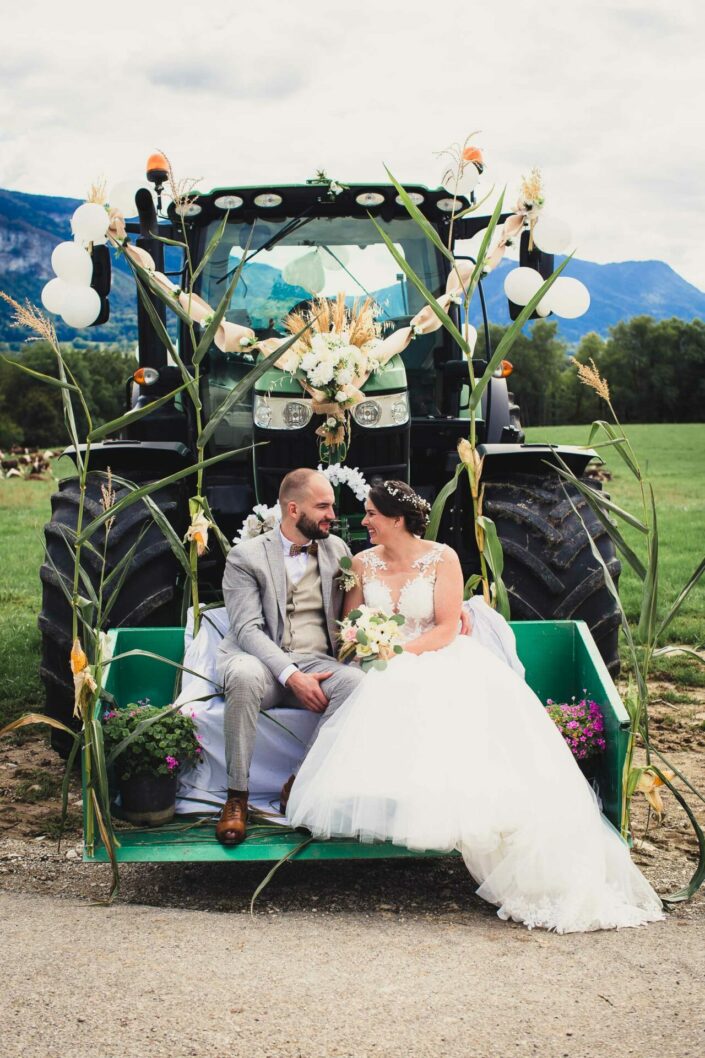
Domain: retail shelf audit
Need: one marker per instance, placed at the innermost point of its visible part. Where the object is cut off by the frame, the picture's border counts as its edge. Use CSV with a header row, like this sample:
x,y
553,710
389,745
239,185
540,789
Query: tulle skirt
x,y
452,750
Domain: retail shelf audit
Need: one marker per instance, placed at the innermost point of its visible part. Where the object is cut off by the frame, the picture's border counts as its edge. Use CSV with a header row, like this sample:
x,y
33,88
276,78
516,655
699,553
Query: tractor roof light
x,y
146,376
415,197
369,198
450,205
228,202
188,209
268,201
157,169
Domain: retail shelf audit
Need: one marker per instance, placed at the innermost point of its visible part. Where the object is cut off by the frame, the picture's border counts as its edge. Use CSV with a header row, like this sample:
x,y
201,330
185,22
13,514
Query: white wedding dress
x,y
451,749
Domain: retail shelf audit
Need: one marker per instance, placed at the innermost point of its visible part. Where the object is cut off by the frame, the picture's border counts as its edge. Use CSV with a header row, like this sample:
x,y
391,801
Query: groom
x,y
283,601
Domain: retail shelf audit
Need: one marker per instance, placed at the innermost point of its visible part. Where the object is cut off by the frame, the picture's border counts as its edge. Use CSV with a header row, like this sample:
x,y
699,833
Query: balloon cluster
x,y
567,297
70,294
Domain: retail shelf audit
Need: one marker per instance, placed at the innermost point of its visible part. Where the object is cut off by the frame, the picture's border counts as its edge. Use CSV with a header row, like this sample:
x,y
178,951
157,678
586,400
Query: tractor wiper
x,y
286,229
354,278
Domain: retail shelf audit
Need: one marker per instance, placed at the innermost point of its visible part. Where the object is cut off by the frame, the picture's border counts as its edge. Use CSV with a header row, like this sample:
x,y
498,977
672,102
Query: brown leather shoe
x,y
284,795
231,827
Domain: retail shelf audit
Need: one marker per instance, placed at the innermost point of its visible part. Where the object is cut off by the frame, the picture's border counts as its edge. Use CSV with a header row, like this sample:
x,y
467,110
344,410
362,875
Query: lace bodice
x,y
414,599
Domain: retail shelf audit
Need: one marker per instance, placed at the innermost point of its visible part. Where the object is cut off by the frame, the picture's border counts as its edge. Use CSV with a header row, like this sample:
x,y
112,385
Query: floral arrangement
x,y
164,740
347,577
370,637
331,360
263,518
581,724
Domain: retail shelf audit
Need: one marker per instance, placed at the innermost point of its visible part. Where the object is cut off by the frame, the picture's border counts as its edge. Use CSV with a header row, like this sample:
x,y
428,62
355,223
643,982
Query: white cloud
x,y
604,97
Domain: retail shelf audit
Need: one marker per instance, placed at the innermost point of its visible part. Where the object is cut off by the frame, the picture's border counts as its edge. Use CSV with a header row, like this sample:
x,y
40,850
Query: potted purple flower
x,y
583,727
146,746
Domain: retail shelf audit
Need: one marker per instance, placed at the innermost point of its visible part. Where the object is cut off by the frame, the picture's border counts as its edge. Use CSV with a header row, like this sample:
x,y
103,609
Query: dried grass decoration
x,y
332,360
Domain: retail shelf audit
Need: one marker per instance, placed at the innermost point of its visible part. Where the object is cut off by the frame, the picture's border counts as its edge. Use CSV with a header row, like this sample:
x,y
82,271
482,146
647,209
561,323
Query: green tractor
x,y
415,410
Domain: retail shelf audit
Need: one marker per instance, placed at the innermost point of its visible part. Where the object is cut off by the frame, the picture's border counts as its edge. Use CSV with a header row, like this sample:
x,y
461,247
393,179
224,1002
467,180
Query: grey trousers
x,y
250,686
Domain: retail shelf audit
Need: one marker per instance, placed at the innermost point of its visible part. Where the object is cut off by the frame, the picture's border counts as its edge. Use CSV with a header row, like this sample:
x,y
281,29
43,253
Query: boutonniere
x,y
346,577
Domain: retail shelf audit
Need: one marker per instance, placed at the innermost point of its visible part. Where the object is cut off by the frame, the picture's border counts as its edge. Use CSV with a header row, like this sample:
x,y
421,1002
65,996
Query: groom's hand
x,y
307,688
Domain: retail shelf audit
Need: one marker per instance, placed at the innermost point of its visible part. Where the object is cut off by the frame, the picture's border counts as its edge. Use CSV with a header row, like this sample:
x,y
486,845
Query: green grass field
x,y
672,456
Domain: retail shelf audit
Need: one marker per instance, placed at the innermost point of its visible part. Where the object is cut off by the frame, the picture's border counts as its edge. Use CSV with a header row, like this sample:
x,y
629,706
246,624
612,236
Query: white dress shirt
x,y
295,566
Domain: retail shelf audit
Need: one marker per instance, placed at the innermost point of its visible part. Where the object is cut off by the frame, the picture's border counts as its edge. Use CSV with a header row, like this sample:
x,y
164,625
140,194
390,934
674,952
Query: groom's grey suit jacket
x,y
255,592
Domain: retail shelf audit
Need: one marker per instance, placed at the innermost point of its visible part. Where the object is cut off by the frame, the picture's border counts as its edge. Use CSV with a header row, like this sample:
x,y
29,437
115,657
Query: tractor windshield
x,y
324,255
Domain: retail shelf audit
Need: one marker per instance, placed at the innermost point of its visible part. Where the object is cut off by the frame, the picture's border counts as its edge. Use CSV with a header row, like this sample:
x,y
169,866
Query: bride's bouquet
x,y
370,637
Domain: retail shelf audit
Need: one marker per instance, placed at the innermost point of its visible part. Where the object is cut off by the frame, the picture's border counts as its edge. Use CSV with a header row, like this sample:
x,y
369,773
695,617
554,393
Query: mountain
x,y
617,292
32,225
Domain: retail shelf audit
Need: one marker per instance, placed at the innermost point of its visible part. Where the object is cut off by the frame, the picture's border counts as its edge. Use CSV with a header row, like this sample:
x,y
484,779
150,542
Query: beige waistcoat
x,y
305,626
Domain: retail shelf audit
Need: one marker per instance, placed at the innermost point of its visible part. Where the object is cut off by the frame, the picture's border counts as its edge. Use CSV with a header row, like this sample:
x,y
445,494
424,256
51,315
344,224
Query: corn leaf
x,y
620,442
137,653
596,499
270,874
416,215
439,503
37,718
495,560
125,564
679,649
422,289
164,338
476,205
147,490
49,379
698,876
245,385
484,246
133,416
511,334
206,339
212,246
109,842
682,596
649,598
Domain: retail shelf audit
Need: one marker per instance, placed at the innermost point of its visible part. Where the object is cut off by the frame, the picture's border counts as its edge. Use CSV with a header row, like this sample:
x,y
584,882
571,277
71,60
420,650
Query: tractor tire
x,y
549,568
150,594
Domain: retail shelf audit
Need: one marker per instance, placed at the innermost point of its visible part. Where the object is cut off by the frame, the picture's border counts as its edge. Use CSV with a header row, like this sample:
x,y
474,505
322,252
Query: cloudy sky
x,y
606,98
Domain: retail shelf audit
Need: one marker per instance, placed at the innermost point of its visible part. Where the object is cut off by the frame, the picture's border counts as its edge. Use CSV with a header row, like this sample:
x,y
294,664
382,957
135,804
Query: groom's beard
x,y
313,530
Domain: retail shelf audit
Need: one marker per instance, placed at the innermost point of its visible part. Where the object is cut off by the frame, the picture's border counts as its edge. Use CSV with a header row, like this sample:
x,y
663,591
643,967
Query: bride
x,y
448,748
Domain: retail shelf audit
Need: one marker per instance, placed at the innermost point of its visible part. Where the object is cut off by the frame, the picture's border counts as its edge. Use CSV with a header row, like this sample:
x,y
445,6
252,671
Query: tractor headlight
x,y
367,413
296,414
262,413
387,409
281,413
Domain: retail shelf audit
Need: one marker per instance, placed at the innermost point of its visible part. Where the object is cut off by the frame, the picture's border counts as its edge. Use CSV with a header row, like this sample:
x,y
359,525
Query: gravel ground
x,y
131,982
357,958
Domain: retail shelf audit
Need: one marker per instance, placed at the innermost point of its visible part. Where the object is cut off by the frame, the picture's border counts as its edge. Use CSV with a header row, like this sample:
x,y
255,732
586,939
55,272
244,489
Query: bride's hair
x,y
396,499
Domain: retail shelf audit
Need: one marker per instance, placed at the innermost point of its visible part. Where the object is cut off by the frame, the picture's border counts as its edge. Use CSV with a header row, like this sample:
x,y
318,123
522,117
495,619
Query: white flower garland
x,y
263,518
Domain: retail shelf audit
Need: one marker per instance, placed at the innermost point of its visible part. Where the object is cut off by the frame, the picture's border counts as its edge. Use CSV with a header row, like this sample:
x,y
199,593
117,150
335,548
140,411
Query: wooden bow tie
x,y
304,549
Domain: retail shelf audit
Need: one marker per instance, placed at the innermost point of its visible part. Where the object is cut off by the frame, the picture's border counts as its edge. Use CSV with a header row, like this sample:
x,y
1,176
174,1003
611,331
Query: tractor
x,y
414,412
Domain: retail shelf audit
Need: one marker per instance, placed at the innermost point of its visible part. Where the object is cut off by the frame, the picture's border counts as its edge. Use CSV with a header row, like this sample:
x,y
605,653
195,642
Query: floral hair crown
x,y
413,499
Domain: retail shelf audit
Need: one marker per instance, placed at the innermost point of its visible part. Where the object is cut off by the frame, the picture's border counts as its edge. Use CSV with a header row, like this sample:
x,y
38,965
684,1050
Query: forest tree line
x,y
655,370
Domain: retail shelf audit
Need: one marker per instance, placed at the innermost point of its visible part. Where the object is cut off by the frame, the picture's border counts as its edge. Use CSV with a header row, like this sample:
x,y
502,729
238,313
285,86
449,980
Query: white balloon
x,y
122,197
521,284
329,263
54,295
81,306
469,179
551,234
569,298
72,263
306,272
90,223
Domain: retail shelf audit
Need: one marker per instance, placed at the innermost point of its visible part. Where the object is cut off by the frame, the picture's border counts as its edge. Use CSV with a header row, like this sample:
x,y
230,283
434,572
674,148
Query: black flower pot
x,y
148,799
